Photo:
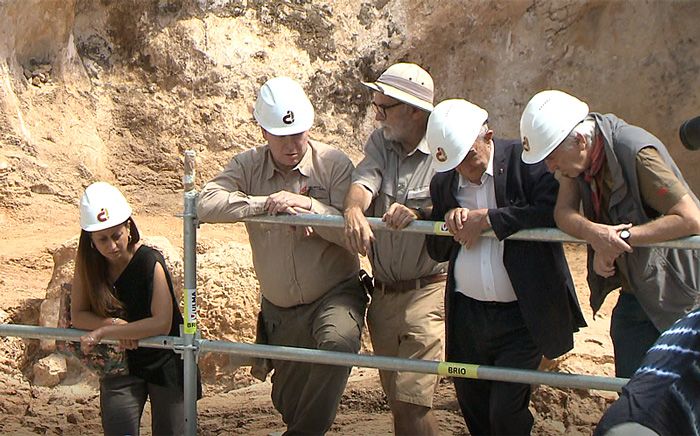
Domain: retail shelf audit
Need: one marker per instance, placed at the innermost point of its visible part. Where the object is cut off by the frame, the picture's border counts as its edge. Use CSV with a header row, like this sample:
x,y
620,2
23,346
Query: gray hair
x,y
586,128
482,132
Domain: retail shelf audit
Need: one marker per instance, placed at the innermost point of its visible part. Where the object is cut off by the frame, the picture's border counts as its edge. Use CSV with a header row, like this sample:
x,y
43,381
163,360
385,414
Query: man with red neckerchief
x,y
632,193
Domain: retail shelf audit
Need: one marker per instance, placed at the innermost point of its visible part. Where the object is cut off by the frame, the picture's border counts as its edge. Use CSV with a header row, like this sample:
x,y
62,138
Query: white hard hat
x,y
102,206
547,120
282,107
453,126
408,83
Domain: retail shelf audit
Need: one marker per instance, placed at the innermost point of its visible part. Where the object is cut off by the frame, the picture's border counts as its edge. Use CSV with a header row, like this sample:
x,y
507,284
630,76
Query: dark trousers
x,y
632,334
307,395
122,399
492,334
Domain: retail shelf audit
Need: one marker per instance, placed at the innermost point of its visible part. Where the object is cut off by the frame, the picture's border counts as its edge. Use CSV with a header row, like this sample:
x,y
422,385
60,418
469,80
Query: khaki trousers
x,y
410,325
307,395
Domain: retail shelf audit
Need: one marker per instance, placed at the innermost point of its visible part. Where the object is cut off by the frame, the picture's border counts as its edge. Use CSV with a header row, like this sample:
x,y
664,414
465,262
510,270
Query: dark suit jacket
x,y
525,195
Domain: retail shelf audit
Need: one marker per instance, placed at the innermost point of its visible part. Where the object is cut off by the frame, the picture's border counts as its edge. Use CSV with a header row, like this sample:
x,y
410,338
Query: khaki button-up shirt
x,y
292,268
392,176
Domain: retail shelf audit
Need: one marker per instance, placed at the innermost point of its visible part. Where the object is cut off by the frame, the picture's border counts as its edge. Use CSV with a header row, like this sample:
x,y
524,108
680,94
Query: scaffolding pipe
x,y
190,294
73,335
448,369
438,228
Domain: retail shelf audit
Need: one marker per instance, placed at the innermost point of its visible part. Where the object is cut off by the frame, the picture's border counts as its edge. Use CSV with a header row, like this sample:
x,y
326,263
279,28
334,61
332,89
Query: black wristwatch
x,y
625,235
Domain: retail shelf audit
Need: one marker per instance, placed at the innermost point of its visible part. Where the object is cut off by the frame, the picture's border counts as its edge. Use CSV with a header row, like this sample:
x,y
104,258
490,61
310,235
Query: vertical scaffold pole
x,y
190,294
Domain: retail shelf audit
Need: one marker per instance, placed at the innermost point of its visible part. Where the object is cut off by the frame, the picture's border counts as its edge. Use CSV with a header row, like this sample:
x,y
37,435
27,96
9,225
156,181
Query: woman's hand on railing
x,y
88,341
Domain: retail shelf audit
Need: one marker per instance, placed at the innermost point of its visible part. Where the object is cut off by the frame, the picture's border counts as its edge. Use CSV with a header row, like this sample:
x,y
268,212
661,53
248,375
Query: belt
x,y
409,285
502,304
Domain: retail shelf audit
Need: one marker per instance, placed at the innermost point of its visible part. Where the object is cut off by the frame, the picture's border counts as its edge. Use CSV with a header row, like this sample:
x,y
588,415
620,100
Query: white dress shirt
x,y
479,271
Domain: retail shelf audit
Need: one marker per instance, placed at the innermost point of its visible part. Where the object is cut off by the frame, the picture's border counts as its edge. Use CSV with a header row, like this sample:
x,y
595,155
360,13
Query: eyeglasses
x,y
381,108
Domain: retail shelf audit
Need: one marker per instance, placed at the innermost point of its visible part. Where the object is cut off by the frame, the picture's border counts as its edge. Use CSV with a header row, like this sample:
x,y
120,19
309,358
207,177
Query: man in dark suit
x,y
508,303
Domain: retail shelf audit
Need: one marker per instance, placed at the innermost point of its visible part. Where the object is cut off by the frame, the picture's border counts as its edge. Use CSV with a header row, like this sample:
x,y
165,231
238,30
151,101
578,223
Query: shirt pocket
x,y
418,197
674,275
667,276
320,193
388,189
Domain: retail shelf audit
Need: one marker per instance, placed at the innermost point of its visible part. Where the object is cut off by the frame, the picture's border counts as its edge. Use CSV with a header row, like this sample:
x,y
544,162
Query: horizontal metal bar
x,y
558,379
73,335
342,359
438,228
482,372
318,356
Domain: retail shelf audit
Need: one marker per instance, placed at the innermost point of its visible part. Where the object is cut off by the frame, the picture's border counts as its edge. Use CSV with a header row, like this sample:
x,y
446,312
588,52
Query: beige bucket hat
x,y
408,83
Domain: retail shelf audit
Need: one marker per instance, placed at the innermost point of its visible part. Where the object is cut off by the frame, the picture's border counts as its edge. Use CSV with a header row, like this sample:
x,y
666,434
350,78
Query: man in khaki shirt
x,y
311,293
406,316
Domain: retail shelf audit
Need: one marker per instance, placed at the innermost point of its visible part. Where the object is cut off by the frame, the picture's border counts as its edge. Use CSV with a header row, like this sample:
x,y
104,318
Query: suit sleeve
x,y
439,247
536,209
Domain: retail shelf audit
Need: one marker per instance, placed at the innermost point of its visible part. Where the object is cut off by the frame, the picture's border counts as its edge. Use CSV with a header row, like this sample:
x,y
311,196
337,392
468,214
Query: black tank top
x,y
134,288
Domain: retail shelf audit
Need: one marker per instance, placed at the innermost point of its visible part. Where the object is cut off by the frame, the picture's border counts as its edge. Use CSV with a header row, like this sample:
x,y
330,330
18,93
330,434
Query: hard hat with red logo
x,y
102,206
282,107
453,127
547,120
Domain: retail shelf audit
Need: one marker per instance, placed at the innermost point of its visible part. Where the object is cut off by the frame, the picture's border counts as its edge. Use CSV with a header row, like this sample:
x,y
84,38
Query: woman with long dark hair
x,y
122,290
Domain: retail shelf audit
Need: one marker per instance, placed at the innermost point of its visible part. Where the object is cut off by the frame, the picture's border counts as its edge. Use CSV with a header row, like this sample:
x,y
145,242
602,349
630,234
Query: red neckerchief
x,y
590,174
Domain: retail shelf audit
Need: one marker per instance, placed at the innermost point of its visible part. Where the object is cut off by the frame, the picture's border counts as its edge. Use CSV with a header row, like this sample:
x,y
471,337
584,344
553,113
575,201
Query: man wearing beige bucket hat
x,y
508,303
619,188
406,315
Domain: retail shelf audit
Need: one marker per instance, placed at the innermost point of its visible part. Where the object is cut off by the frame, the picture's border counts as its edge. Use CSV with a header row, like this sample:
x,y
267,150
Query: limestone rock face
x,y
228,303
59,286
152,76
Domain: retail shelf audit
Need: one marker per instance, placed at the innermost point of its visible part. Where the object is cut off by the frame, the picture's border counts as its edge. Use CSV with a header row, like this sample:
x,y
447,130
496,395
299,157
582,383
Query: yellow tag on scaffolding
x,y
462,370
190,311
440,228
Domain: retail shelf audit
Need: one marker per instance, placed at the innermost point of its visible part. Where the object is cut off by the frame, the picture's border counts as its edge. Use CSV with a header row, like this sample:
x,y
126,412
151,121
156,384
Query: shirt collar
x,y
422,147
489,167
304,166
488,173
